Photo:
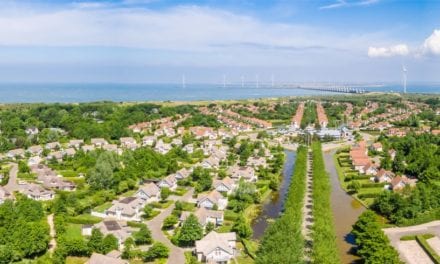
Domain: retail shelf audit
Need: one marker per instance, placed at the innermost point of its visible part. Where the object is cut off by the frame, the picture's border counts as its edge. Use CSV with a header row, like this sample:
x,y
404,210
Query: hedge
x,y
324,237
84,219
282,241
428,249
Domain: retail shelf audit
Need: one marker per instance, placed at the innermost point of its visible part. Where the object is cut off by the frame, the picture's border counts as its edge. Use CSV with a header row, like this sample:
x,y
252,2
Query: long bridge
x,y
334,89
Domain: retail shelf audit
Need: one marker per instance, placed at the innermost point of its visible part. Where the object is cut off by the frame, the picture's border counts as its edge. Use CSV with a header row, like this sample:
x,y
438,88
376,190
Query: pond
x,y
274,205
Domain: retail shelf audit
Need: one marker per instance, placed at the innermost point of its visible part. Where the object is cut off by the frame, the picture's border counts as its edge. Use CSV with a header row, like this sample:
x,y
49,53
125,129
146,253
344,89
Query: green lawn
x,y
76,260
101,208
74,230
68,173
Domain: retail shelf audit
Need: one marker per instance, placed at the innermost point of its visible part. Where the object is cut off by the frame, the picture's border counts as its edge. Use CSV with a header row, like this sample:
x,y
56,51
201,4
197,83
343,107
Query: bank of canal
x,y
346,211
273,206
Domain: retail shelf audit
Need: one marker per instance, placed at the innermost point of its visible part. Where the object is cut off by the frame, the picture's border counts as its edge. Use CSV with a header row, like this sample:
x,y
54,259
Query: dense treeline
x,y
324,238
282,241
417,155
373,246
335,113
84,121
310,115
278,112
24,232
416,206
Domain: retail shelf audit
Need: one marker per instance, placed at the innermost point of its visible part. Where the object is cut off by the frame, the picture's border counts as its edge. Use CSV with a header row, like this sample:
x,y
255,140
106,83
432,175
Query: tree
x,y
157,250
6,254
209,227
397,164
242,227
385,162
128,246
373,245
95,241
169,222
190,232
148,211
165,193
143,236
109,243
23,167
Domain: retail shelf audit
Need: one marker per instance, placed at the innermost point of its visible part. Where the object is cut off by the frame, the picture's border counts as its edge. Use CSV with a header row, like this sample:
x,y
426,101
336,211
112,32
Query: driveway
x,y
155,225
12,184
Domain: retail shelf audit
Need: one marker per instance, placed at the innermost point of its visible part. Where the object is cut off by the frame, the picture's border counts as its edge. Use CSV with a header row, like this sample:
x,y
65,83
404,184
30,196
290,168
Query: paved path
x,y
307,222
12,184
395,233
52,242
155,225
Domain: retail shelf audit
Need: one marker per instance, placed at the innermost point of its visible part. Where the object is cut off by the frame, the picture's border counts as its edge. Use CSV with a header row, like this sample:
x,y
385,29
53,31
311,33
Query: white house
x,y
205,216
169,182
149,192
227,185
212,199
128,209
148,140
216,247
245,172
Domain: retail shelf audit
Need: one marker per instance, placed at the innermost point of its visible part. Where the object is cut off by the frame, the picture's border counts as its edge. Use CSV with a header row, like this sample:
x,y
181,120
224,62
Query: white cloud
x,y
396,50
432,44
345,3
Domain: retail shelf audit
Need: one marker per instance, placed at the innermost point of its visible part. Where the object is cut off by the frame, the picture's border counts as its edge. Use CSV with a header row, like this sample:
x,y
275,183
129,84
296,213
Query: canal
x,y
273,206
346,211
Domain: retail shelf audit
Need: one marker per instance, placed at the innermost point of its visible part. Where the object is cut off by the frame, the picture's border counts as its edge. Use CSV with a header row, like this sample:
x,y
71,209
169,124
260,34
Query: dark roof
x,y
112,225
127,200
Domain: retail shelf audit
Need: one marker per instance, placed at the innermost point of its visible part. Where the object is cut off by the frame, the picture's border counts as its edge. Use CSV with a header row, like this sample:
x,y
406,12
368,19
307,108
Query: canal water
x,y
274,205
346,211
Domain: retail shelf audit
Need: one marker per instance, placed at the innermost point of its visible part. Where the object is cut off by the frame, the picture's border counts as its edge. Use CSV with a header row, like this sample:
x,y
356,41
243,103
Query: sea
x,y
88,92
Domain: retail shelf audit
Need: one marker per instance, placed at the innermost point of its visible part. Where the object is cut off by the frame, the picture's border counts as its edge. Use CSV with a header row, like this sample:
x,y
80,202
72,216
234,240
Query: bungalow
x,y
257,162
360,163
34,160
376,147
398,183
216,247
36,192
169,132
76,143
183,173
88,148
176,142
110,147
128,209
245,172
210,163
226,185
119,229
58,155
69,152
189,148
205,216
97,258
128,143
212,199
53,145
384,176
162,148
169,182
35,150
149,192
16,153
203,132
148,141
98,142
370,169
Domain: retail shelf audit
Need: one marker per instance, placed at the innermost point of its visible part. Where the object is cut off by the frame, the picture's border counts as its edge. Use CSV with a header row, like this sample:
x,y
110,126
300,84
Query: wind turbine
x,y
405,71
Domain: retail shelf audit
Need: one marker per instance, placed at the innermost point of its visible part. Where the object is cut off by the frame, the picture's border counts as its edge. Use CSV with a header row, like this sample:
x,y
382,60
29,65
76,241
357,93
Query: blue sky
x,y
157,41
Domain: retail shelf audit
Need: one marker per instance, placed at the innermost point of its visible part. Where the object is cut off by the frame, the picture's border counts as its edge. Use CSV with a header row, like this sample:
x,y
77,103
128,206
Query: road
x,y
12,184
155,225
